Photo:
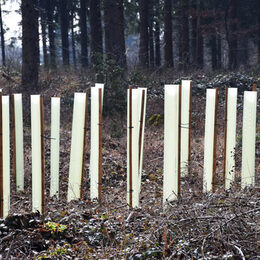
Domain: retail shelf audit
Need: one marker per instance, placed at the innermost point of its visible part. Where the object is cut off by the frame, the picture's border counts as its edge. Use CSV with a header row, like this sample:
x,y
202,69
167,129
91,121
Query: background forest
x,y
110,37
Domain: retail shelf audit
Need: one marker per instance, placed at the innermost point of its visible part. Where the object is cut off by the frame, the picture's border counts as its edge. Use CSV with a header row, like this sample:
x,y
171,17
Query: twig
x,y
130,216
9,250
198,218
158,158
239,250
224,224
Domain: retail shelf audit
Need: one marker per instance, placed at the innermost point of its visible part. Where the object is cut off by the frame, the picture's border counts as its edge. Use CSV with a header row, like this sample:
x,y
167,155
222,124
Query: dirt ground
x,y
224,225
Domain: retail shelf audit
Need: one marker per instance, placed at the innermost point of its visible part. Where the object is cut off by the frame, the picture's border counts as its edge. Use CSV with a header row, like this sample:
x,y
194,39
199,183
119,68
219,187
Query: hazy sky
x,y
11,20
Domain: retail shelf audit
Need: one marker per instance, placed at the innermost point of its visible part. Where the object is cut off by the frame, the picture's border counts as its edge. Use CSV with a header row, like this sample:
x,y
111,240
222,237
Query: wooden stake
x,y
254,88
130,150
1,162
189,128
42,153
179,145
141,128
14,140
214,177
84,146
225,136
99,143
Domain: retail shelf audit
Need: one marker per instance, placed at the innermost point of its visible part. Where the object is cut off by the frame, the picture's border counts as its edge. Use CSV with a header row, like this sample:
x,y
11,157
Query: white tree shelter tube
x,y
231,137
209,140
185,125
77,146
137,127
135,147
142,114
171,143
19,149
55,146
94,141
36,154
6,154
249,139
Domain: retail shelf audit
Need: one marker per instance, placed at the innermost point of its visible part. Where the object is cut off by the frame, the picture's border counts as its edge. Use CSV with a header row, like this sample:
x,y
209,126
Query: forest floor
x,y
223,225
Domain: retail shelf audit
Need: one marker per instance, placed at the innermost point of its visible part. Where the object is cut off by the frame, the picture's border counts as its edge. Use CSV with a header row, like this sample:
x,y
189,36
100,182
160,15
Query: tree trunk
x,y
114,32
96,40
258,32
30,46
184,36
219,52
199,39
64,26
43,29
232,34
121,32
168,52
83,33
151,34
74,58
193,13
157,36
144,37
213,48
2,37
151,47
50,5
109,26
244,55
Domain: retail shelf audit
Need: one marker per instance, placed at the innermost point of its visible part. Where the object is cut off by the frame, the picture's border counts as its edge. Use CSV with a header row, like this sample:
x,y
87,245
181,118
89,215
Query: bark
x,y
213,47
84,34
144,37
96,40
199,39
168,52
2,37
184,36
50,5
232,35
64,26
43,20
114,32
121,32
243,53
258,32
73,36
157,36
151,47
151,35
219,52
193,39
30,46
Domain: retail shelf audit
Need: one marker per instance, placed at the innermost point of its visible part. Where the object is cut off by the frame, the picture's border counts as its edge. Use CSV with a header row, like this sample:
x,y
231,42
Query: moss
x,y
155,120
